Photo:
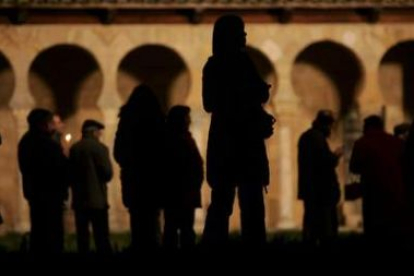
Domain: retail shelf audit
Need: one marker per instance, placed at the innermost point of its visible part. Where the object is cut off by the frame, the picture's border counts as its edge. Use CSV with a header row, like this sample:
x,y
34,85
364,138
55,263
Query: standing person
x,y
91,170
1,217
318,182
185,176
140,151
233,92
45,185
377,157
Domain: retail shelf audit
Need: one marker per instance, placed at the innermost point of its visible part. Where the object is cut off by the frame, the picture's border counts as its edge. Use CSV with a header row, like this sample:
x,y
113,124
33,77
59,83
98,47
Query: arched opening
x,y
159,67
265,68
9,184
396,78
67,80
328,75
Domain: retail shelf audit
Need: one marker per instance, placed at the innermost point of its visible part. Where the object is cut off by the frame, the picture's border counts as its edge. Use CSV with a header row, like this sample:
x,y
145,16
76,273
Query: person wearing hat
x,y
318,183
91,171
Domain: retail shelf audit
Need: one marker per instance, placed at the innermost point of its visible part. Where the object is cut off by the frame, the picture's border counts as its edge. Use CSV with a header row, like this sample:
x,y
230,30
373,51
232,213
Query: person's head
x,y
373,122
402,130
57,125
92,128
229,35
324,121
141,101
40,120
179,118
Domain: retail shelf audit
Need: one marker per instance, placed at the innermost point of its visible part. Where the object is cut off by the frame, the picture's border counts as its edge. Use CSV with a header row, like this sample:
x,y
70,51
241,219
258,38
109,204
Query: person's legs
x,y
82,230
187,228
252,214
170,237
216,230
100,227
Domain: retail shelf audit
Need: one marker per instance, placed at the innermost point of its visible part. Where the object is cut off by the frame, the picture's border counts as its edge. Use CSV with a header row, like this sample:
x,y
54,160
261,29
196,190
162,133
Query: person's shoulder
x,y
76,146
310,134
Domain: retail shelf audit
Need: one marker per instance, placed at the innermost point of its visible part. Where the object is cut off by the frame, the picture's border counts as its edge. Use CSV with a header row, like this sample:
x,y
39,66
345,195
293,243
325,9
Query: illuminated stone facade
x,y
88,70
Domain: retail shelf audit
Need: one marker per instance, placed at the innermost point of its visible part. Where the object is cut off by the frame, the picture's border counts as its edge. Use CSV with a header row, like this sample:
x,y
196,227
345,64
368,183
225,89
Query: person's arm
x,y
327,157
103,163
209,88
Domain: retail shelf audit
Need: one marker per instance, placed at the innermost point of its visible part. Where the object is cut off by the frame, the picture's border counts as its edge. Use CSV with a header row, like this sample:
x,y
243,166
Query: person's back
x,y
139,149
377,157
91,171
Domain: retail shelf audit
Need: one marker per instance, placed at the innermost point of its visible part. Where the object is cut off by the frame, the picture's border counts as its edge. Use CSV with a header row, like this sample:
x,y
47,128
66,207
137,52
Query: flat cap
x,y
89,125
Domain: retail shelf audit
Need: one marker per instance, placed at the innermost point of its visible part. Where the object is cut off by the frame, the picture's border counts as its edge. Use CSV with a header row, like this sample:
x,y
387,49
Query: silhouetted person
x,y
318,182
91,170
1,217
45,186
408,171
183,187
140,151
402,131
234,93
377,158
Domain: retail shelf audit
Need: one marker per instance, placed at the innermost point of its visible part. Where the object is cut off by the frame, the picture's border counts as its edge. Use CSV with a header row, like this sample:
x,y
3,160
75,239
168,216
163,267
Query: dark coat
x,y
44,169
91,170
234,93
317,177
377,157
185,171
140,151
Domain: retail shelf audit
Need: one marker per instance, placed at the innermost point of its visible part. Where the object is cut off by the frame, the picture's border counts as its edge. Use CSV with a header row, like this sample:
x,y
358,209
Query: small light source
x,y
68,137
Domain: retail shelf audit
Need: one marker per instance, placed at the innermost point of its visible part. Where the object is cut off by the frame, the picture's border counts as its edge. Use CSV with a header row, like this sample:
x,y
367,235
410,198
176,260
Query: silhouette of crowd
x,y
162,168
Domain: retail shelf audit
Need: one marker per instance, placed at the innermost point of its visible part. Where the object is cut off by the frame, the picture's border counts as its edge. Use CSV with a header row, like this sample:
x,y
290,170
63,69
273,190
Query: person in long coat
x,y
233,92
140,151
91,170
378,158
318,182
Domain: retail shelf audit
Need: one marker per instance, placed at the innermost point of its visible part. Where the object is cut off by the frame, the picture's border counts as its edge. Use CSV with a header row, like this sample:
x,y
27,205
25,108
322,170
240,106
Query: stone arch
x,y
327,74
396,75
160,67
265,67
68,80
